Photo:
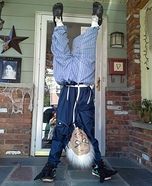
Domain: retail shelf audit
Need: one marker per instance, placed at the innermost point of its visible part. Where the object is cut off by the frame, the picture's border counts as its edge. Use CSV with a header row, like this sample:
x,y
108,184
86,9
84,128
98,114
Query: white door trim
x,y
100,95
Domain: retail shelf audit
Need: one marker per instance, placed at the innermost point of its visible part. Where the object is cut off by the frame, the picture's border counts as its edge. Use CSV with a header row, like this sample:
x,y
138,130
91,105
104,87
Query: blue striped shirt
x,y
77,65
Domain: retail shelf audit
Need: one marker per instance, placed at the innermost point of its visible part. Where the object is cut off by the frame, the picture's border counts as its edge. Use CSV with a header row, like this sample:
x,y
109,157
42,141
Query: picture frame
x,y
117,66
10,69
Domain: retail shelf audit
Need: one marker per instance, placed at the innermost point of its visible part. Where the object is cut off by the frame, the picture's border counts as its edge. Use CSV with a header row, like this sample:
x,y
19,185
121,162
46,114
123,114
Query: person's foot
x,y
98,11
103,173
57,11
47,174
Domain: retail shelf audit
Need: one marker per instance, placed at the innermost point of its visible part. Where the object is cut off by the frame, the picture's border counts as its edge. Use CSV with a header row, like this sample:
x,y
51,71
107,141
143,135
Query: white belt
x,y
78,85
81,85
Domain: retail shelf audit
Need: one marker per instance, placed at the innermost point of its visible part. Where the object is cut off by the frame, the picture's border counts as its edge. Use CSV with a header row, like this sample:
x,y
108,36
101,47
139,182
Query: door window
x,y
51,88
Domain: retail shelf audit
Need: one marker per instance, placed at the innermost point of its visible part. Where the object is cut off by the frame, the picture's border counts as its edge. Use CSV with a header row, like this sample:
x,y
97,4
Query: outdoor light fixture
x,y
1,20
117,40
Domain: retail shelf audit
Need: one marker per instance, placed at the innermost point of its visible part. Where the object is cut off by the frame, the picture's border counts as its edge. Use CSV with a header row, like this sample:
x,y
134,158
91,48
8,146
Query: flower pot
x,y
146,117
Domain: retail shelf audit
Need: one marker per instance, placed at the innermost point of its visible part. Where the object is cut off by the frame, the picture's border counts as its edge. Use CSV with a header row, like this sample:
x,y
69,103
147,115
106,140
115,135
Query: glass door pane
x,y
51,88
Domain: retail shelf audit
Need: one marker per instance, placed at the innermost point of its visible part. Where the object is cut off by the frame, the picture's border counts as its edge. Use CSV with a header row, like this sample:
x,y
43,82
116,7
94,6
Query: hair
x,y
80,161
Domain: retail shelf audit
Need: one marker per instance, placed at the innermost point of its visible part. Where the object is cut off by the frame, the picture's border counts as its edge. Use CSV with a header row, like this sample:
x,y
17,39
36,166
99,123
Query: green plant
x,y
145,110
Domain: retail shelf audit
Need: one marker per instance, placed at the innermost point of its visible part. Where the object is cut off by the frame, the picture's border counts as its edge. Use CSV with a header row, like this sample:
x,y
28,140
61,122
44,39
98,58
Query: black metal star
x,y
12,41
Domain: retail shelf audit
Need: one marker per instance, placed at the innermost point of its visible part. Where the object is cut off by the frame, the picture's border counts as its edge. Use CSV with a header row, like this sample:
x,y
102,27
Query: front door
x,y
47,91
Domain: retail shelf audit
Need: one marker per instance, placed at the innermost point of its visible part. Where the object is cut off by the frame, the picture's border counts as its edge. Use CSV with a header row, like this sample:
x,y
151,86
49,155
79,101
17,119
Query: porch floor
x,y
21,171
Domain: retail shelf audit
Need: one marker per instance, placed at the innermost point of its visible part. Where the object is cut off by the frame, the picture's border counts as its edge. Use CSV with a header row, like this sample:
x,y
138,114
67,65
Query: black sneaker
x,y
98,11
47,174
103,173
57,11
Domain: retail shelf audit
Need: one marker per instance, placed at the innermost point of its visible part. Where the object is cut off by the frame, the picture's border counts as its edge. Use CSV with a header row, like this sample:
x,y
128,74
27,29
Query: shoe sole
x,y
58,7
47,180
108,178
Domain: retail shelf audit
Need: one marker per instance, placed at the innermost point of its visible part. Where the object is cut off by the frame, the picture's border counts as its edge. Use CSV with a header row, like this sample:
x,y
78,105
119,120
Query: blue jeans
x,y
84,119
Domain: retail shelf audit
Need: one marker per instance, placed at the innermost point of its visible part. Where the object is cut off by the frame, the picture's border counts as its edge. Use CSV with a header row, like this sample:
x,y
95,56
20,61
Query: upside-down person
x,y
75,71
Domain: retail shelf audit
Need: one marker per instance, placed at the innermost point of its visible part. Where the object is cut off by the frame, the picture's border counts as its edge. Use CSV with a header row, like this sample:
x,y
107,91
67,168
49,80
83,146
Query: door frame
x,y
100,95
38,75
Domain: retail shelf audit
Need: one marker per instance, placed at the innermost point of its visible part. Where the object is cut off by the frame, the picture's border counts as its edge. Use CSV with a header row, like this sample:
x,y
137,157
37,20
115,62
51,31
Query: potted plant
x,y
144,108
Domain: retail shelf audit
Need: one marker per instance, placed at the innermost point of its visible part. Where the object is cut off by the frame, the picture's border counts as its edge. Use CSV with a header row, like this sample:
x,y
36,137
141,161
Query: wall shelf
x,y
142,125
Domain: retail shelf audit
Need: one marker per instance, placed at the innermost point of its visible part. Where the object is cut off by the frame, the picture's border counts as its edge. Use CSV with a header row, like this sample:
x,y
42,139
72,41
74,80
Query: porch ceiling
x,y
108,1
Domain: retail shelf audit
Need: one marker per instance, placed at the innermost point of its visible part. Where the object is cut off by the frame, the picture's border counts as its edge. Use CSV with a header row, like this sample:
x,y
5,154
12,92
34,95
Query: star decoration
x,y
12,41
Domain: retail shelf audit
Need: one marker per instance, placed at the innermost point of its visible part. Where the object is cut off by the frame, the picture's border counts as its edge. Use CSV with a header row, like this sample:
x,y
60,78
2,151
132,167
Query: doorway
x,y
47,91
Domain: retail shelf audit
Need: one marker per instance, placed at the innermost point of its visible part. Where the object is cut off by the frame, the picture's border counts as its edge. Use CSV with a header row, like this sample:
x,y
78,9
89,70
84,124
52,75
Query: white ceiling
x,y
106,1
